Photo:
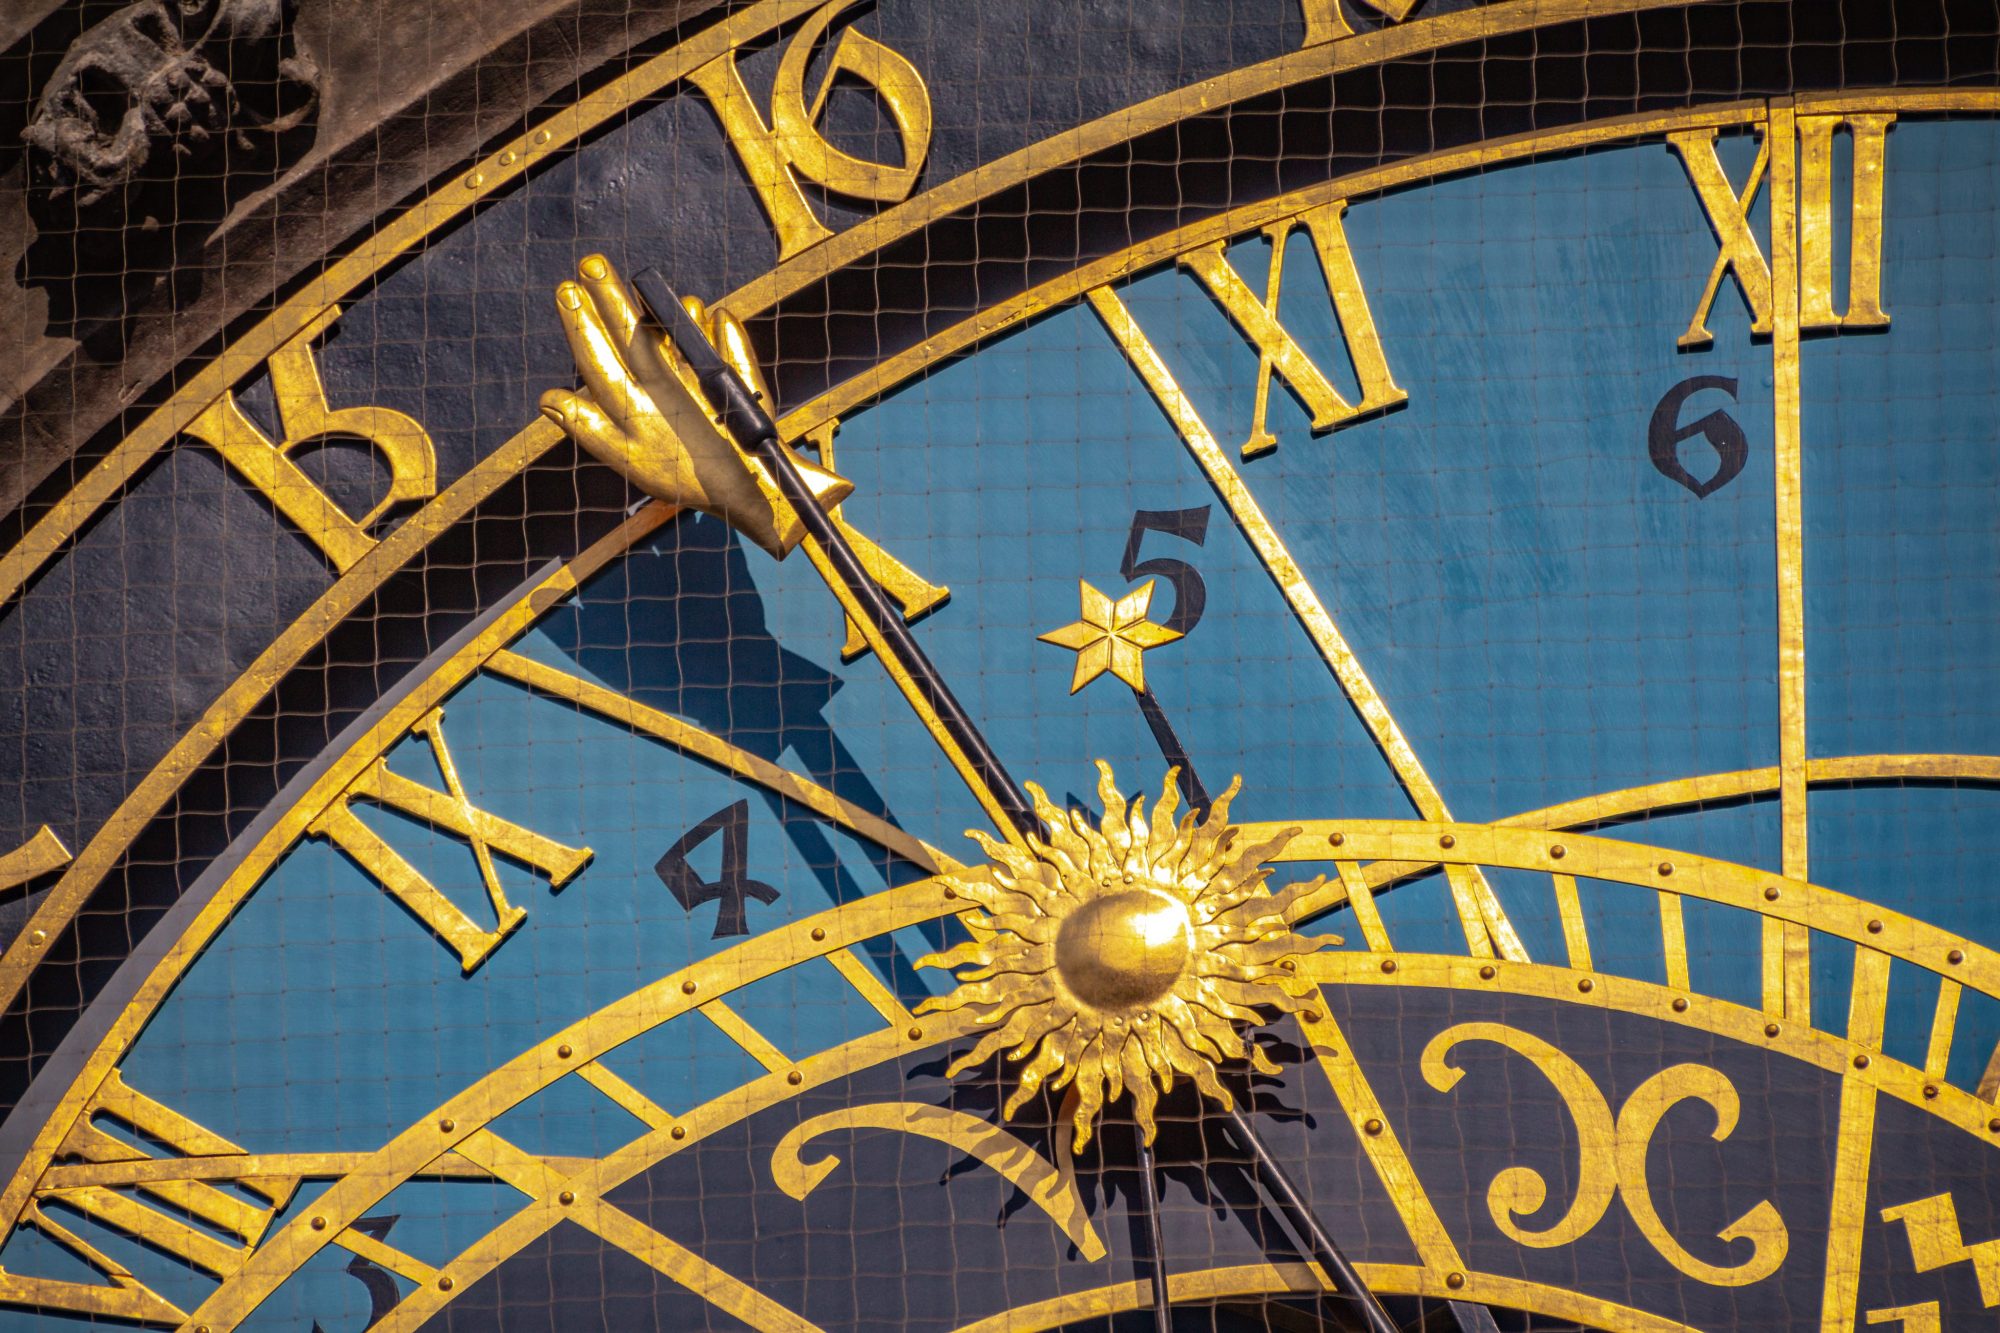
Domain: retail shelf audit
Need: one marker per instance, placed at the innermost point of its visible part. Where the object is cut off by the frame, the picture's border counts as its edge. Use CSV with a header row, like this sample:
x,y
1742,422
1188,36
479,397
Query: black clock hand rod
x,y
757,435
1300,1215
755,432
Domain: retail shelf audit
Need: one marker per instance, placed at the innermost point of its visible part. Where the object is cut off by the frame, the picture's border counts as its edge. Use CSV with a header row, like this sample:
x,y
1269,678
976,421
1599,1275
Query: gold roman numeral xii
x,y
1739,254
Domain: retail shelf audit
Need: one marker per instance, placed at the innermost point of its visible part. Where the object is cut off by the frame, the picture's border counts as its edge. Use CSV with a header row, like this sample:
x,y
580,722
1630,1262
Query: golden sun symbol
x,y
1123,955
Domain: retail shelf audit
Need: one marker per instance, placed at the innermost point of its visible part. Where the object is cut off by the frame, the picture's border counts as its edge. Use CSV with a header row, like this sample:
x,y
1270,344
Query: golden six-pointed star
x,y
1112,636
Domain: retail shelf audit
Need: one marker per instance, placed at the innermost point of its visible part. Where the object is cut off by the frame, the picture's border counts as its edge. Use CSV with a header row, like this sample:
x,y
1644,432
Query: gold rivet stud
x,y
1930,1091
1486,972
1680,1004
1770,1029
680,1131
541,136
1993,1126
1289,964
1336,839
447,1124
687,988
1454,1280
563,1052
1874,927
916,1034
1666,867
1558,851
1861,1062
1388,965
507,158
566,1198
1586,985
319,1224
1771,894
795,1078
950,892
819,934
1310,1015
38,937
1447,842
445,1283
1955,957
474,181
1373,1126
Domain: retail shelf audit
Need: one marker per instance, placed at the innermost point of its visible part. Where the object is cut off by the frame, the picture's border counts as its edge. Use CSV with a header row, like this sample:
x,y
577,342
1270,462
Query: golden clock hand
x,y
639,416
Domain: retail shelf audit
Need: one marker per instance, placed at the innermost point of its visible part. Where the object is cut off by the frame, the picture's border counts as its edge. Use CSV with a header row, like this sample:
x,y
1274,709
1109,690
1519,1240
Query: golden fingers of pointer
x,y
642,412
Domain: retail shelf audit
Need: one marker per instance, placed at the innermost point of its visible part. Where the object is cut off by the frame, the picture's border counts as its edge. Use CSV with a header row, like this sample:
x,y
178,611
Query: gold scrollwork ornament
x,y
1612,1155
1048,1187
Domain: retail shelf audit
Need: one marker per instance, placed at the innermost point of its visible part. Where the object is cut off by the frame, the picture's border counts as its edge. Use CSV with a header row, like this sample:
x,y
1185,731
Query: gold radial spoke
x,y
754,1043
1576,935
862,977
686,738
628,1098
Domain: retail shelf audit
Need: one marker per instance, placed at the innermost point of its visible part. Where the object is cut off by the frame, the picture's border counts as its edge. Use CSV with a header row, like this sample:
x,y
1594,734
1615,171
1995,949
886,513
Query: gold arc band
x,y
590,1039
1737,1022
1212,1285
1073,146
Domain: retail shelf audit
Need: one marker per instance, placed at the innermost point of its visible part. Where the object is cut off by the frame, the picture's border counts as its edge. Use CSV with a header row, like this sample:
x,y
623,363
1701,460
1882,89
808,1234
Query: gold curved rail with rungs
x,y
575,1192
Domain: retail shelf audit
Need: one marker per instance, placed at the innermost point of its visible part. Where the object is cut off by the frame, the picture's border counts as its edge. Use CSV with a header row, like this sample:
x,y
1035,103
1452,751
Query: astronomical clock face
x,y
1446,554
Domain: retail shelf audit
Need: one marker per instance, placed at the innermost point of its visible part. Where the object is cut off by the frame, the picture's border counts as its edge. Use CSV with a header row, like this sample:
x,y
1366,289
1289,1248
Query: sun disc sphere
x,y
1124,950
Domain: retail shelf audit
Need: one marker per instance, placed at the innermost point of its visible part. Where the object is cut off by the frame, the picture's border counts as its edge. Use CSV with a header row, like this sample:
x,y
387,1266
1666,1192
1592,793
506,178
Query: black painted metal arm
x,y
1293,1205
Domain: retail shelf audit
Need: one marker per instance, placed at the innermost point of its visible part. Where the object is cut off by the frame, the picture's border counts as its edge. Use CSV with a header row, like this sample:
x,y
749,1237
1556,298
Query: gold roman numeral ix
x,y
1740,256
452,811
1278,352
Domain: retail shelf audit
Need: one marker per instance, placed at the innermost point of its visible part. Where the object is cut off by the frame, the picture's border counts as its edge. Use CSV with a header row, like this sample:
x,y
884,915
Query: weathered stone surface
x,y
152,89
